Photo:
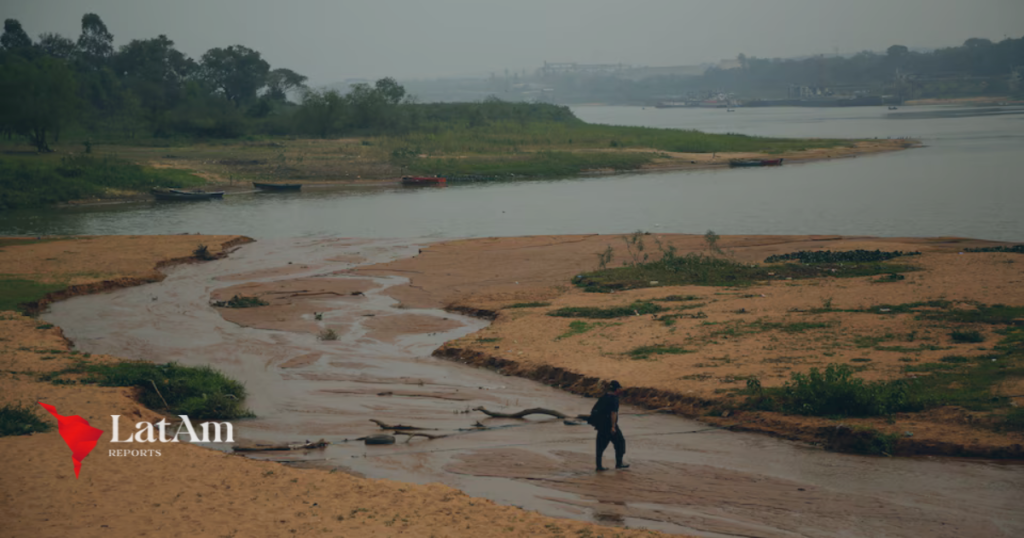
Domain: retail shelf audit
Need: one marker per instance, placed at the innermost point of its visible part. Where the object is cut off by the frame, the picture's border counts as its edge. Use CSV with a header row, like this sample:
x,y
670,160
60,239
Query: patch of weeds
x,y
328,335
199,392
905,349
645,352
860,359
240,301
528,305
16,292
678,298
578,327
637,308
834,392
44,326
1014,420
1018,249
955,359
990,314
488,340
891,277
827,256
202,252
20,420
864,341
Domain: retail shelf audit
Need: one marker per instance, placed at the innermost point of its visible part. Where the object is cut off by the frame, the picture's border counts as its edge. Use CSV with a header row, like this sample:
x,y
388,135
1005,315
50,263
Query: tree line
x,y
148,88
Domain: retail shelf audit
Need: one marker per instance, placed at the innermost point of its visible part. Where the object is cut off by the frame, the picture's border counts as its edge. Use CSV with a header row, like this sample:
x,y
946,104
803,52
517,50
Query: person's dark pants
x,y
616,439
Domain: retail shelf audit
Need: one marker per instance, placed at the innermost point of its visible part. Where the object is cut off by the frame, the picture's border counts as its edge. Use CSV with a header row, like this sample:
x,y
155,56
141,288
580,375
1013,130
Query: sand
x,y
726,343
187,490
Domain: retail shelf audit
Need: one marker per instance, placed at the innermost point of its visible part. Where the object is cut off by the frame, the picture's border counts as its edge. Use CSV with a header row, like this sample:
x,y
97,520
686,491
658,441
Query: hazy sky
x,y
330,41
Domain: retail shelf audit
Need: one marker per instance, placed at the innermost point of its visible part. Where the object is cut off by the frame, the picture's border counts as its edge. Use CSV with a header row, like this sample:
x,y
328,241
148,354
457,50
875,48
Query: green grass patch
x,y
541,164
16,291
990,314
578,327
905,349
706,270
971,337
832,392
528,305
1017,249
240,301
637,308
40,180
646,352
827,256
20,420
199,392
678,298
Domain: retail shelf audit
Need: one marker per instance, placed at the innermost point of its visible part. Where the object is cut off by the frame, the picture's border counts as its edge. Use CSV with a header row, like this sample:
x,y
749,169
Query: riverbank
x,y
697,363
186,490
525,151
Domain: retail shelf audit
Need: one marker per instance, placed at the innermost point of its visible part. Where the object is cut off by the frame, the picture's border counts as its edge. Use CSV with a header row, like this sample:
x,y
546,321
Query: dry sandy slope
x,y
730,344
189,491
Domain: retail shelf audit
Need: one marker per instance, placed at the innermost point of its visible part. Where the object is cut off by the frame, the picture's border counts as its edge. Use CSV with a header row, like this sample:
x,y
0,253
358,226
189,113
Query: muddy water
x,y
685,477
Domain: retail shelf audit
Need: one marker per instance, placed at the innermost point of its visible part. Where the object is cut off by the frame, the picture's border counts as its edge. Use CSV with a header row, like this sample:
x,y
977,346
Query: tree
x,y
96,44
154,70
977,42
321,113
56,45
897,51
281,81
238,72
390,90
36,97
14,38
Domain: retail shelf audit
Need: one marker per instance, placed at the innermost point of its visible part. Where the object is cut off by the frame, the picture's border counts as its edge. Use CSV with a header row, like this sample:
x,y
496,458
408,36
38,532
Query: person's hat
x,y
614,385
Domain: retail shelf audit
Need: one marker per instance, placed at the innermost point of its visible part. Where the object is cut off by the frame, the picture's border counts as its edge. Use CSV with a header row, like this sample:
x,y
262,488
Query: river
x,y
965,182
685,477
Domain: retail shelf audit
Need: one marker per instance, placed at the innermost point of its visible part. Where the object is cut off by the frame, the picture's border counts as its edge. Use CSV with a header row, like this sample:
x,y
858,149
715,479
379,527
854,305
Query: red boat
x,y
424,181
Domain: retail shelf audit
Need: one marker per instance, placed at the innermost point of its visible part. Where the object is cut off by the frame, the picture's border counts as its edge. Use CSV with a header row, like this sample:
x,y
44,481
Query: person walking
x,y
604,417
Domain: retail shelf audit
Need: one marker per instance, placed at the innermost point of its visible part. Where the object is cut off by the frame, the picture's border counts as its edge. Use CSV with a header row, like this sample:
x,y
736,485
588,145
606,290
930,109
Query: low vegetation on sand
x,y
714,268
240,301
199,392
33,181
20,420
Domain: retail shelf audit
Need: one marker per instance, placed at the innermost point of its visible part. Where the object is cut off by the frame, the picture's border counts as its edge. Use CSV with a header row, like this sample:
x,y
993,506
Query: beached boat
x,y
274,187
746,163
424,181
176,194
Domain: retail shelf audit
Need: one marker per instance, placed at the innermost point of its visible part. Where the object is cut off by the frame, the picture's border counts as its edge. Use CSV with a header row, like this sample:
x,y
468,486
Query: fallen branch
x,y
419,434
269,448
397,427
523,413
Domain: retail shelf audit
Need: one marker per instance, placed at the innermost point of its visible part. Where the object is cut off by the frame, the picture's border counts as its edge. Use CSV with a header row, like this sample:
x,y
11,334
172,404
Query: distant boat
x,y
277,186
749,163
177,194
412,181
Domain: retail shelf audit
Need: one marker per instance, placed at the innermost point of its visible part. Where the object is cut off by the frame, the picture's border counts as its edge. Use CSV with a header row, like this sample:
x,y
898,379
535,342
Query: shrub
x,y
967,336
199,392
637,308
827,256
835,392
19,420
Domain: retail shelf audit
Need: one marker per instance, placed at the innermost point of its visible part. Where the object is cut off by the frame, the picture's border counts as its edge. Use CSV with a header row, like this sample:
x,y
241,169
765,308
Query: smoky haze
x,y
330,41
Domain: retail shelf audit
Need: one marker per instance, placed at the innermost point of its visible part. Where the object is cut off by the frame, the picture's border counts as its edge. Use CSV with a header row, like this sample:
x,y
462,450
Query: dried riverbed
x,y
685,477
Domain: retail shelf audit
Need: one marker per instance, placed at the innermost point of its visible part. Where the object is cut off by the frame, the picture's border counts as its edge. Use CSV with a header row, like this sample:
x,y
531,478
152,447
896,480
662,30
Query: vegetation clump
x,y
240,301
847,256
645,352
1018,249
967,336
20,420
528,305
199,392
638,308
202,252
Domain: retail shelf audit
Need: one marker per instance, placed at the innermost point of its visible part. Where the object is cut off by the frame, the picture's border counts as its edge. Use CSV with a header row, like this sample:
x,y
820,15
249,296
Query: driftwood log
x,y
269,448
525,412
397,427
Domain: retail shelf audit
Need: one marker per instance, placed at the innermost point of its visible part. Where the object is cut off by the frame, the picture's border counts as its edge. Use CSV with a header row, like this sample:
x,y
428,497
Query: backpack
x,y
598,414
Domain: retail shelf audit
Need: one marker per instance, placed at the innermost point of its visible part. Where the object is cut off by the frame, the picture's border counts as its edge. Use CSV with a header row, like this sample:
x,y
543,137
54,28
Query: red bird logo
x,y
77,433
